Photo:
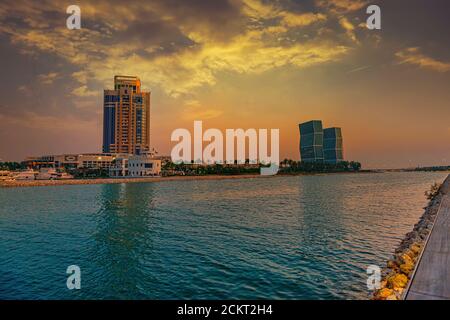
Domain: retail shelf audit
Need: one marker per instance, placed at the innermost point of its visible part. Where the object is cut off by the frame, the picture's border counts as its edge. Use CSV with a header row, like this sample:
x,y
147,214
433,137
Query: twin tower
x,y
320,145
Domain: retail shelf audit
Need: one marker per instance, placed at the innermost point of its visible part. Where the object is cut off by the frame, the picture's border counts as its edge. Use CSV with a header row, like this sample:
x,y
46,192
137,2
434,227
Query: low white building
x,y
136,166
119,168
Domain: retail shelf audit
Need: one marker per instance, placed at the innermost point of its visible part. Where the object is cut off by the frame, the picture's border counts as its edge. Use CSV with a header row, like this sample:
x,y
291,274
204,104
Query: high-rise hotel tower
x,y
126,117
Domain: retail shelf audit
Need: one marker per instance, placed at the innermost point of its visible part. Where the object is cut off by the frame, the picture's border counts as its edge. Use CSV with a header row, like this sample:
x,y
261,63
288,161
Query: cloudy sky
x,y
232,64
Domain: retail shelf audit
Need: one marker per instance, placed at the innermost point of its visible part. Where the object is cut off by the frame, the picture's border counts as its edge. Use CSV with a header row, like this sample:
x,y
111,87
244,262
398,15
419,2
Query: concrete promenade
x,y
431,280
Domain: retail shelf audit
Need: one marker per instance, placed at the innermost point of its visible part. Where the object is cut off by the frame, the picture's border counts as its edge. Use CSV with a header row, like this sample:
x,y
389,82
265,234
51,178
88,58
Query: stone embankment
x,y
400,269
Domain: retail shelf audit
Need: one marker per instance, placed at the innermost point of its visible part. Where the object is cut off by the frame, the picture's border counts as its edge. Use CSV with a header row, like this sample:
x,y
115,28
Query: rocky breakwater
x,y
400,269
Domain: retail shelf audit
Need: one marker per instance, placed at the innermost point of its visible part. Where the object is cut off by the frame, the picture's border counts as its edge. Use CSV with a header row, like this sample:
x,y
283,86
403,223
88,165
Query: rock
x,y
392,265
410,254
416,248
403,258
384,293
407,268
398,281
399,293
412,235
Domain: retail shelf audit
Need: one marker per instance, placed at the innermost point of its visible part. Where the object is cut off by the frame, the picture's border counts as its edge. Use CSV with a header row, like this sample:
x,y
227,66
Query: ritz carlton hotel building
x,y
126,136
126,129
126,117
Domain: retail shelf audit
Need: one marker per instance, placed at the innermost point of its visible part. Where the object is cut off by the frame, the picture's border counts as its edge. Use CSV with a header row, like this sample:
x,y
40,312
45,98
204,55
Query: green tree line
x,y
11,166
286,167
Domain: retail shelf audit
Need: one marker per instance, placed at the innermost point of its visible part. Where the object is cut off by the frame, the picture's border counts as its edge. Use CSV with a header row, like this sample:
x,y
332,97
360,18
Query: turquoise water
x,y
307,237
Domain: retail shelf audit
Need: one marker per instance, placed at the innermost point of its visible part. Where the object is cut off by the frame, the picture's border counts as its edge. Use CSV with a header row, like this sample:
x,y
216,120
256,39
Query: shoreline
x,y
47,183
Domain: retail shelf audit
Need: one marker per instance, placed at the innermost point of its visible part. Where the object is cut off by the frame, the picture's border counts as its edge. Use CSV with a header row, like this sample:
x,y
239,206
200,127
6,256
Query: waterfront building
x,y
333,145
311,141
143,165
119,168
74,161
126,117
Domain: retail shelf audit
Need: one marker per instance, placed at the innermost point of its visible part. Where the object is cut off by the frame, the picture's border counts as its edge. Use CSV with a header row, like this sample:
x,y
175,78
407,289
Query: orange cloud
x,y
415,57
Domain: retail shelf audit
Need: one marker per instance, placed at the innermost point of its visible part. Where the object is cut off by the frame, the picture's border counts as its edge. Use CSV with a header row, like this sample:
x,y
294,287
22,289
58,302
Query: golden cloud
x,y
259,11
342,6
290,19
415,57
349,28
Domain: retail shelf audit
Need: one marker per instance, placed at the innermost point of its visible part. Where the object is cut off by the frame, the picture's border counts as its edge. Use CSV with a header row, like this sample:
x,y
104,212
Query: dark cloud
x,y
423,23
220,18
151,37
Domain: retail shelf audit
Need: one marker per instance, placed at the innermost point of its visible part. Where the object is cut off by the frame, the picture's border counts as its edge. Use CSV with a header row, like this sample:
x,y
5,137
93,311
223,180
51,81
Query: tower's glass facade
x,y
109,123
333,145
311,141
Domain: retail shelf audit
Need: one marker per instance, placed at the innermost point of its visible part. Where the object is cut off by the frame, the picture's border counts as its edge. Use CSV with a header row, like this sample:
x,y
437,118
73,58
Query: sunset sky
x,y
232,64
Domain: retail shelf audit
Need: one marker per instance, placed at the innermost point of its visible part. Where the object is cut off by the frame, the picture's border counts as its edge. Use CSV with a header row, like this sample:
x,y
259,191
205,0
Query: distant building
x,y
74,161
333,145
311,141
320,145
142,165
164,159
126,117
119,168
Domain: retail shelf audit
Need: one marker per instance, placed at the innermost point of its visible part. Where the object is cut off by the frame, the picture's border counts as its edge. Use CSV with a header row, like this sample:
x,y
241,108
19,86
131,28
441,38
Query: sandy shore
x,y
42,183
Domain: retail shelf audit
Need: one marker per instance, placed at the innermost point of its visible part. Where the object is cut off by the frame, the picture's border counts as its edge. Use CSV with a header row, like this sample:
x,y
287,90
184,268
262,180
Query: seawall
x,y
397,275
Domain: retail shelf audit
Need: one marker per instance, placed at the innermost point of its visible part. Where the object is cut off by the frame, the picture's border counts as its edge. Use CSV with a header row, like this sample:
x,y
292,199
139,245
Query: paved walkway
x,y
432,278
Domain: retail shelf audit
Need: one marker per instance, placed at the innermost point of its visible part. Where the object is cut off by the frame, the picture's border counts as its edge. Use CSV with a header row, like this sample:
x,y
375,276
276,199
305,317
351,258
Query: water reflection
x,y
123,236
